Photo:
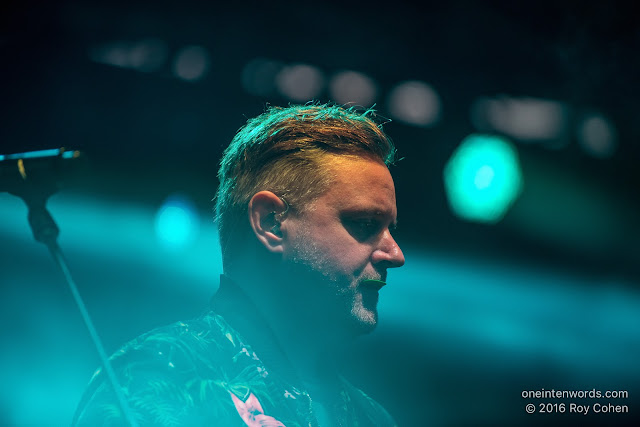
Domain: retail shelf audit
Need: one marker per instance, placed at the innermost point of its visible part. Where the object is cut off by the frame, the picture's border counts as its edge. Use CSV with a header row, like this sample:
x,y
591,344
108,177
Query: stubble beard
x,y
330,299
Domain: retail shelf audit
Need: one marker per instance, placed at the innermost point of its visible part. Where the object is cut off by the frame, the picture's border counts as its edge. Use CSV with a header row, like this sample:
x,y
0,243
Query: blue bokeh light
x,y
177,222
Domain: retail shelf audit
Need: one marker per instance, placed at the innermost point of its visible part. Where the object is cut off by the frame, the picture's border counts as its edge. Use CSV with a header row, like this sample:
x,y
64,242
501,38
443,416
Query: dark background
x,y
547,298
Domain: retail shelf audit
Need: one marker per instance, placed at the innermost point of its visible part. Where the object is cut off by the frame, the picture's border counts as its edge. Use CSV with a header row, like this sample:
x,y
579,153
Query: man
x,y
304,208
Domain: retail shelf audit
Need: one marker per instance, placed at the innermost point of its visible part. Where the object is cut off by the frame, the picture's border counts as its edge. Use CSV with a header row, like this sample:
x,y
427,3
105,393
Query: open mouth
x,y
373,284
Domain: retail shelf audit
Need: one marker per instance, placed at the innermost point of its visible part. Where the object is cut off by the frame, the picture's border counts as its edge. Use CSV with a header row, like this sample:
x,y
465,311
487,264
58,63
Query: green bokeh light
x,y
483,178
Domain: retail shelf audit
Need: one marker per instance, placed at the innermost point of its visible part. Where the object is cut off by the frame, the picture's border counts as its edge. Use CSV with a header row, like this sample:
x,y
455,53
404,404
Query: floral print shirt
x,y
203,372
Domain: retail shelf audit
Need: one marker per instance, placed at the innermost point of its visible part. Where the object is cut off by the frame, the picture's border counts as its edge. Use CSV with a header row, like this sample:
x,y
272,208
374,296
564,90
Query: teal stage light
x,y
483,178
176,223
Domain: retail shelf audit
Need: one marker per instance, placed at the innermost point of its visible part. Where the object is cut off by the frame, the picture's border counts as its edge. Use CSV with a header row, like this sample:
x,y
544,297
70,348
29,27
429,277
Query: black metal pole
x,y
34,187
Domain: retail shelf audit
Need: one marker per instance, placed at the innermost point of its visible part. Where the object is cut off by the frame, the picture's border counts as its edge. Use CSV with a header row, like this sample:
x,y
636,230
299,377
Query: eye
x,y
362,228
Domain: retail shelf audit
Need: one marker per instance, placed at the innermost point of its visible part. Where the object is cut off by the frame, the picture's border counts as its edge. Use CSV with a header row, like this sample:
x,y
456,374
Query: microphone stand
x,y
35,189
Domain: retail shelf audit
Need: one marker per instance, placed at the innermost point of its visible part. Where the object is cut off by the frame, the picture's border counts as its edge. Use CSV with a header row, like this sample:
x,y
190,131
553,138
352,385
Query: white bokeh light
x,y
598,136
146,55
300,82
352,87
415,103
527,119
191,63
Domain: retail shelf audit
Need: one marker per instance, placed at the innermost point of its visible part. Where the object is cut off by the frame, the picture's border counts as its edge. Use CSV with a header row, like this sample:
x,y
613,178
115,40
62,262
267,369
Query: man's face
x,y
342,239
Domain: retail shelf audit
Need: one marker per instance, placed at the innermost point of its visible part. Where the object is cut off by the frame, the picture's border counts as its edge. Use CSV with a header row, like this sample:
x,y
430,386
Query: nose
x,y
388,253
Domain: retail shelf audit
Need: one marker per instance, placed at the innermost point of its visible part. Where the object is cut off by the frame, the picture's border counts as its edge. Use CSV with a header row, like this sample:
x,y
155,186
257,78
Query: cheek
x,y
332,247
346,255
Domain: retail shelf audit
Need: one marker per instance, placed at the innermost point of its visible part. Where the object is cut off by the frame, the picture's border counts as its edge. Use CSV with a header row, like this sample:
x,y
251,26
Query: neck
x,y
309,343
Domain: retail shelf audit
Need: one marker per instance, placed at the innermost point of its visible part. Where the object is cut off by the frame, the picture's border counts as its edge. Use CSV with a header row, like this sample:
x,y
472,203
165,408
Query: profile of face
x,y
341,240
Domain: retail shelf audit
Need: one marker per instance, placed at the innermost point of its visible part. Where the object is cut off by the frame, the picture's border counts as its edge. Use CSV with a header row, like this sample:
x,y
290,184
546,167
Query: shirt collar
x,y
241,313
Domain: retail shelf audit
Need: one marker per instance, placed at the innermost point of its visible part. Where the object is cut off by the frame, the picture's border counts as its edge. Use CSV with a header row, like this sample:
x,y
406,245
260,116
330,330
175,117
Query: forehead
x,y
359,184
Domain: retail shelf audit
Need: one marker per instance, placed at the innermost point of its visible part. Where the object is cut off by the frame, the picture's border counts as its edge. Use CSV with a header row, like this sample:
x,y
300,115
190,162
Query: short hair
x,y
282,151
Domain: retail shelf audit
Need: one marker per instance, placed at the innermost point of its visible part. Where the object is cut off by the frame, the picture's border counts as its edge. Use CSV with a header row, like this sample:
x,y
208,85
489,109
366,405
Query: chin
x,y
363,320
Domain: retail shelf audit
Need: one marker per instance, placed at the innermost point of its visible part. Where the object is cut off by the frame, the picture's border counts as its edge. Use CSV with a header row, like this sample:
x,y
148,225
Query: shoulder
x,y
166,375
180,349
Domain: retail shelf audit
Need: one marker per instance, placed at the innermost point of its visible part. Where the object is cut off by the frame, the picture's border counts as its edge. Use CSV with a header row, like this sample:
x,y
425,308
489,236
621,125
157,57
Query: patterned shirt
x,y
204,372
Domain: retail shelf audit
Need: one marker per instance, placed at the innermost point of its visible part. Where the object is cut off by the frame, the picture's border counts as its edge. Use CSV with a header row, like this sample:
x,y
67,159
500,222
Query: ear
x,y
263,208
